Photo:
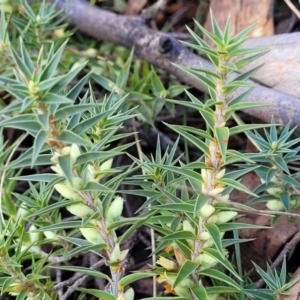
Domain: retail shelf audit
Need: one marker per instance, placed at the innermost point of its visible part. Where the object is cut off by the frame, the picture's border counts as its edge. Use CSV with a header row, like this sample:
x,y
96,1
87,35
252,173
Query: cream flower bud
x,y
204,175
208,243
274,191
225,216
22,213
77,183
121,296
275,205
168,264
225,198
106,166
187,226
90,174
213,219
74,153
33,234
204,236
55,156
117,255
65,151
50,235
207,210
129,294
221,174
115,209
72,150
216,192
80,210
206,259
57,169
66,191
92,235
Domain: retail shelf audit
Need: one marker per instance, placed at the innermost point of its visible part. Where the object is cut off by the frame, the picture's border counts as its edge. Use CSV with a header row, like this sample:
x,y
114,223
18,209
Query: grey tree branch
x,y
162,50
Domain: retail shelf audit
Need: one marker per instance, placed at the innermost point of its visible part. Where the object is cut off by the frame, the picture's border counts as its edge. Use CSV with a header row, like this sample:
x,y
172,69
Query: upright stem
x,y
214,160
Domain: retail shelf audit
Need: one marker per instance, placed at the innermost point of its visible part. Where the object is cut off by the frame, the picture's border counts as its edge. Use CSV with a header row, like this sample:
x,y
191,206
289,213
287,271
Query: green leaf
x,y
83,126
244,51
259,294
182,171
186,269
65,164
52,64
122,78
222,135
126,221
104,82
215,27
73,109
26,57
183,207
37,177
191,138
83,247
76,90
157,84
194,131
97,293
246,75
222,260
286,201
233,85
216,236
95,186
214,38
51,98
49,83
52,207
38,144
216,274
23,122
94,156
180,235
245,61
211,290
240,37
66,79
200,201
199,75
43,120
227,32
70,137
199,292
238,173
242,128
83,270
134,277
61,226
20,63
237,185
237,226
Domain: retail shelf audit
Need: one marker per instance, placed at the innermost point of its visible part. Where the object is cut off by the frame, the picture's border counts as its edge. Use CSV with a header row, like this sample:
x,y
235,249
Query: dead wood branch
x,y
162,50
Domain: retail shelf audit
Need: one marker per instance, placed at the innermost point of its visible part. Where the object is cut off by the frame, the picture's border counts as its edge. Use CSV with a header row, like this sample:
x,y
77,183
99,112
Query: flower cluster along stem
x,y
214,160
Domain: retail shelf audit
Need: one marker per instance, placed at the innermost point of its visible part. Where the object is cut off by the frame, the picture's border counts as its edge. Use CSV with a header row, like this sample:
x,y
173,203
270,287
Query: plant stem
x,y
214,160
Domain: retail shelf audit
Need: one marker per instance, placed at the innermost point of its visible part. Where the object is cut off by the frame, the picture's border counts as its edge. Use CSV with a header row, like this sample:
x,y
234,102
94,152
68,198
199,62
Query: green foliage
x,y
49,98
